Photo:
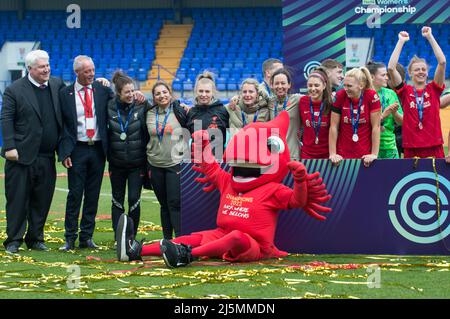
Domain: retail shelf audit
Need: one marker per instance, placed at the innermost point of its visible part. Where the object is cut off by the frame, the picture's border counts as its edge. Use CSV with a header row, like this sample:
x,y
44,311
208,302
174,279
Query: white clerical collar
x,y
36,83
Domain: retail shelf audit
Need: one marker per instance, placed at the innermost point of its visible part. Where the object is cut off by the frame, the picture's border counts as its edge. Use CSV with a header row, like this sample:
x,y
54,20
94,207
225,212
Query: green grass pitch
x,y
88,273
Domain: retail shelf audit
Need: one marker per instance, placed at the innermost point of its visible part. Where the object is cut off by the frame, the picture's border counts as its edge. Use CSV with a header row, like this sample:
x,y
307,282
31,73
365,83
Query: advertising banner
x,y
392,207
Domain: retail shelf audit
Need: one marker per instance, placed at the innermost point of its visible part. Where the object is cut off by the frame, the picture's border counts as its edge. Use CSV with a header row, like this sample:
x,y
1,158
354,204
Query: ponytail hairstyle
x,y
374,66
327,96
120,79
362,75
204,78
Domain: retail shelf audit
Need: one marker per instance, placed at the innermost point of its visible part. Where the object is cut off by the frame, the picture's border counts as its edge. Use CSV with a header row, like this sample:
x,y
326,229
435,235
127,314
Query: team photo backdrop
x,y
315,30
388,208
391,207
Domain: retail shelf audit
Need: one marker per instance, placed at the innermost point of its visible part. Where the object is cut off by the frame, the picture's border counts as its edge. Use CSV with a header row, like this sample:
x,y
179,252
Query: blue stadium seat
x,y
188,86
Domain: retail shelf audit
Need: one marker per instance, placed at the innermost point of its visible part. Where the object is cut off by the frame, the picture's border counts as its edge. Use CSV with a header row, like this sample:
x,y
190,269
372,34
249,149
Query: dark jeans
x,y
119,177
166,185
29,191
85,179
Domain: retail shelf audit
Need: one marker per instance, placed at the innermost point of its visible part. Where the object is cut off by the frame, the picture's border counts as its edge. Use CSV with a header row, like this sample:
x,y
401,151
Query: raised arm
x,y
439,75
403,37
204,161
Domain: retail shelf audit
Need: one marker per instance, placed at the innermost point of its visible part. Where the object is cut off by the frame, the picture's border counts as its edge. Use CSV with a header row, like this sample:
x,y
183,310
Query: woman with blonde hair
x,y
251,107
208,113
422,133
355,119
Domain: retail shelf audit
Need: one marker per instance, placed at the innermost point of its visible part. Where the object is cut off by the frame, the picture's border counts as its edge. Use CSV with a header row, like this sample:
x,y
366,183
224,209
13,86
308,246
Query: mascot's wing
x,y
205,163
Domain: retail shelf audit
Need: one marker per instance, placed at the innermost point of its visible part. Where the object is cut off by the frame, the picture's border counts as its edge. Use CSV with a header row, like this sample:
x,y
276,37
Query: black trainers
x,y
128,248
175,255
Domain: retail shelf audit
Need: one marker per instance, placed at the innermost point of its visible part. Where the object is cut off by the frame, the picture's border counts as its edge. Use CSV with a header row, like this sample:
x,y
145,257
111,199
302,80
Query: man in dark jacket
x,y
83,150
31,126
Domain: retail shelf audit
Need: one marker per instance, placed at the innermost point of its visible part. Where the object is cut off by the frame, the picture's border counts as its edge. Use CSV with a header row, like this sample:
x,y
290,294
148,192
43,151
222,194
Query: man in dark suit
x,y
31,126
83,149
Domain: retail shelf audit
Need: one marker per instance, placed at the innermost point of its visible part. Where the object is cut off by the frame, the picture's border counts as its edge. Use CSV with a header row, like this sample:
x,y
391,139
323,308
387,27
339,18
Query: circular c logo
x,y
309,67
412,208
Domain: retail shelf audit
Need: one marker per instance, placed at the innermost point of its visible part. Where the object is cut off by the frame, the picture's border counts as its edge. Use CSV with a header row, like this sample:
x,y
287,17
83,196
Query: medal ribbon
x,y
315,125
244,120
420,104
123,127
284,106
355,123
158,132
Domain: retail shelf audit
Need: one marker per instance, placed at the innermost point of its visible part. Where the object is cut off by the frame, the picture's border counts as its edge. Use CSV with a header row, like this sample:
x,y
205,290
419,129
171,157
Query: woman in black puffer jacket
x,y
209,113
128,137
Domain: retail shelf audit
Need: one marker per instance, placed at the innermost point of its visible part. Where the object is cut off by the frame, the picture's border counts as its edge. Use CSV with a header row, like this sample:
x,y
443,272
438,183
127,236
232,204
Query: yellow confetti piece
x,y
348,282
213,296
296,281
122,281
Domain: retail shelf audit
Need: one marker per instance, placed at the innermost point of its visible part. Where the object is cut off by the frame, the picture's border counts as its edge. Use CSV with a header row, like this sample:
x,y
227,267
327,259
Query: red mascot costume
x,y
251,197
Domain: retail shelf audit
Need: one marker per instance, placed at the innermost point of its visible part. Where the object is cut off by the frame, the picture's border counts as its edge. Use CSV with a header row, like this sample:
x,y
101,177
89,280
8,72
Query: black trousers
x,y
166,185
29,191
119,177
85,180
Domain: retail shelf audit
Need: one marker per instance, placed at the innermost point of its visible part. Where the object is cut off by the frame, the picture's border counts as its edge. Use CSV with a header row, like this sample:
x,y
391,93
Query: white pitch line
x,y
105,194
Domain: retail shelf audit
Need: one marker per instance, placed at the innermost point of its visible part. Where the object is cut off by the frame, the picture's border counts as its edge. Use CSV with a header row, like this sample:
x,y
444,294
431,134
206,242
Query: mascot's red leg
x,y
236,242
153,249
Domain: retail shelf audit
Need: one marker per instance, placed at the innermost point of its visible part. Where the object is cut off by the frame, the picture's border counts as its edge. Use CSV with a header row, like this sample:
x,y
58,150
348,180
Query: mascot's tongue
x,y
264,145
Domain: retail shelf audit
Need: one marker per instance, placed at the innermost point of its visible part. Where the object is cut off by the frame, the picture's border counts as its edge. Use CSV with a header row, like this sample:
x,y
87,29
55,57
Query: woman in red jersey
x,y
422,133
315,115
355,119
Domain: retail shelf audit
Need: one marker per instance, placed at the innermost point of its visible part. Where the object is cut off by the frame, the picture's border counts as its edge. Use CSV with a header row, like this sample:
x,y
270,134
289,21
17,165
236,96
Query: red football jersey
x,y
431,132
346,147
310,149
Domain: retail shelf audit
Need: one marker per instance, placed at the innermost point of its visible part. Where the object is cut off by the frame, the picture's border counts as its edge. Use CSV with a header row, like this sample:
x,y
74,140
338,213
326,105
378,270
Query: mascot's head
x,y
258,154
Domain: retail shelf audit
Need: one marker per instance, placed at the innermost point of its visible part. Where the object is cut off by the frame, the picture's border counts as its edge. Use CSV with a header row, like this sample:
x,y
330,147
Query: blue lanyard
x,y
123,127
420,104
158,132
355,123
284,106
269,91
315,125
244,120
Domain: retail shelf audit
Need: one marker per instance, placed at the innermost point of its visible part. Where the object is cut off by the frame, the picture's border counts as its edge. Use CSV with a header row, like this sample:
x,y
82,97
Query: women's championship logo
x,y
413,207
